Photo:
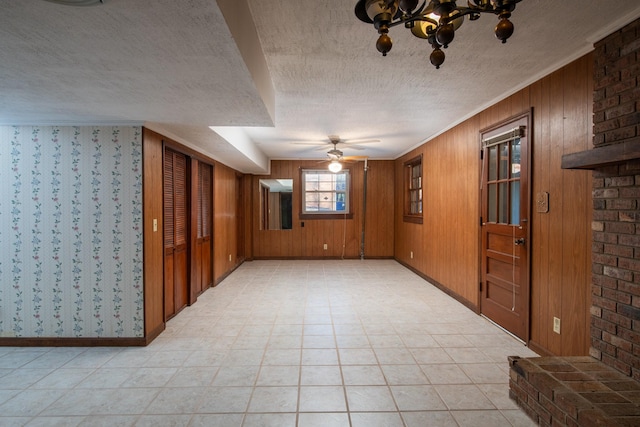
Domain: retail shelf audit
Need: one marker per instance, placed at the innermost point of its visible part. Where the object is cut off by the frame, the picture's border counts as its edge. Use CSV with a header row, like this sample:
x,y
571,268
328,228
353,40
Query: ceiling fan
x,y
335,153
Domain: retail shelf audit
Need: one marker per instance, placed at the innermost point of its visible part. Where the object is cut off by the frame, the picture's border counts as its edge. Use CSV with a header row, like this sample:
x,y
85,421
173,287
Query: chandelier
x,y
434,20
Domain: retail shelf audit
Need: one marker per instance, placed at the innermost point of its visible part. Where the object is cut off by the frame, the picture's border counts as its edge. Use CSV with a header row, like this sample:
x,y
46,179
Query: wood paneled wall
x,y
153,240
342,236
229,214
446,246
227,217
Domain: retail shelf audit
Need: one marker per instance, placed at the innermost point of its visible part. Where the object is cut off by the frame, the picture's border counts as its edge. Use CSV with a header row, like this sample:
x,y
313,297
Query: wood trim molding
x,y
75,342
599,157
471,306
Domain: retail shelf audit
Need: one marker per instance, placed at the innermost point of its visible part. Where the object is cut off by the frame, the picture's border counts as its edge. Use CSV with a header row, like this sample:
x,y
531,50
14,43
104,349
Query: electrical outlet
x,y
325,246
411,254
229,257
556,325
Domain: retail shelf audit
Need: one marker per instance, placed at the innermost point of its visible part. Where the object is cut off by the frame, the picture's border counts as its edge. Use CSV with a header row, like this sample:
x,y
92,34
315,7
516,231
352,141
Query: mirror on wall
x,y
276,198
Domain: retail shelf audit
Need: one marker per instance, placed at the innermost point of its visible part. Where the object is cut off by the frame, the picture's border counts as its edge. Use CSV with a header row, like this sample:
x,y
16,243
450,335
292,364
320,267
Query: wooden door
x,y
504,218
176,285
240,236
204,264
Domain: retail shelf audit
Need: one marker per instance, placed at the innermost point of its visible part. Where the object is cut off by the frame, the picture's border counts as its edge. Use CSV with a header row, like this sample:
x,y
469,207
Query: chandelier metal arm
x,y
443,17
419,15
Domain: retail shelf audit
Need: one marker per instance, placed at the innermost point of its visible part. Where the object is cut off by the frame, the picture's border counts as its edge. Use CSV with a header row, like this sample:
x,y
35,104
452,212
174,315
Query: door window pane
x,y
493,163
504,161
492,202
515,158
503,203
515,202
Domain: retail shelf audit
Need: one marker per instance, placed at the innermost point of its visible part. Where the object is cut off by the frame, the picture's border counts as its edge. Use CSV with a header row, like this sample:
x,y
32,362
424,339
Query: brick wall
x,y
615,314
573,391
616,116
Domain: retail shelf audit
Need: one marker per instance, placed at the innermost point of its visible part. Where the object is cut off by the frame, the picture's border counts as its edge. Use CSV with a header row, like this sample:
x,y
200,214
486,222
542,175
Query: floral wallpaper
x,y
71,232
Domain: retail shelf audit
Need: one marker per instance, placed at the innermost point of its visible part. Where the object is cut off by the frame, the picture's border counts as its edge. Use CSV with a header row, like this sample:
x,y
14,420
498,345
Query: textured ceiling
x,y
181,66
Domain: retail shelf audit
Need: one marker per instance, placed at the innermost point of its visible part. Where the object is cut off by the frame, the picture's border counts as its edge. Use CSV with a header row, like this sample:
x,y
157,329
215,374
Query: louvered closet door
x,y
175,233
204,242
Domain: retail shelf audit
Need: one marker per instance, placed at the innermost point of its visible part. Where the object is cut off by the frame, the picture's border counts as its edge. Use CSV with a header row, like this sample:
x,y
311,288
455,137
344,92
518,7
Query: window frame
x,y
408,168
348,213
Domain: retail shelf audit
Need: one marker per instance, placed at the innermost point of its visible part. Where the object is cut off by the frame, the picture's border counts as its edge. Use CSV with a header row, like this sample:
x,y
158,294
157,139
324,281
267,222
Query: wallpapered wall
x,y
71,232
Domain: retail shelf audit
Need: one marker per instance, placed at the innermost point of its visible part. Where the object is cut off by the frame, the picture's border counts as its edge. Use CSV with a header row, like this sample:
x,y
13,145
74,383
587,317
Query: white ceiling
x,y
273,73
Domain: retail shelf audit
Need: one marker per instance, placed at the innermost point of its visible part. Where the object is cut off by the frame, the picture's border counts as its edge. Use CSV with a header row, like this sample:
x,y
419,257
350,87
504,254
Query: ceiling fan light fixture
x,y
77,2
335,166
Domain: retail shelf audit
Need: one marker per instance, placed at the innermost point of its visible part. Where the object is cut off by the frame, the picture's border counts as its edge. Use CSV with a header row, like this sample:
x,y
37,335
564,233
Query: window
x,y
413,190
325,194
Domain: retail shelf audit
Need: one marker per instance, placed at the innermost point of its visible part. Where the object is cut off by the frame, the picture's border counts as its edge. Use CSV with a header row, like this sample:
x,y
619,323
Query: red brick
x,y
544,416
605,348
556,414
620,110
621,204
620,134
629,264
618,273
630,120
630,95
597,182
604,304
629,240
616,319
604,282
607,238
619,409
621,86
594,418
616,364
628,216
630,312
616,341
621,251
608,80
629,335
619,181
603,215
620,227
528,388
618,297
607,125
605,103
604,259
516,392
570,403
545,384
630,288
630,47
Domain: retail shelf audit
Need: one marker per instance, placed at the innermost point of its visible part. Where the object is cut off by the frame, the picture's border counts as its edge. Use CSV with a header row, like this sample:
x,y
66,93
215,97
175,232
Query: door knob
x,y
519,241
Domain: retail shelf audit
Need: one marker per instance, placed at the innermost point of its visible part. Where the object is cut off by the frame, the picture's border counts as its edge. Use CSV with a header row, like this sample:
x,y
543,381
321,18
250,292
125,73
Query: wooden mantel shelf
x,y
599,157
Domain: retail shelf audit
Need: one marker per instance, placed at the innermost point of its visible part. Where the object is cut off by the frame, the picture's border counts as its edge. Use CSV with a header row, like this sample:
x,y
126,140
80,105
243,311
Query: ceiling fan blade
x,y
353,147
359,141
311,143
354,158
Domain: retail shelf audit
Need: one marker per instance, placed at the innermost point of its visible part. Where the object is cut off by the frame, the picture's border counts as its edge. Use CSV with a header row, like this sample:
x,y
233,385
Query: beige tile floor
x,y
283,343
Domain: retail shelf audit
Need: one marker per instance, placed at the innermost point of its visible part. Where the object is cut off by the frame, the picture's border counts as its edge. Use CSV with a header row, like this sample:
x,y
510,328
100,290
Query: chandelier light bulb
x,y
445,35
